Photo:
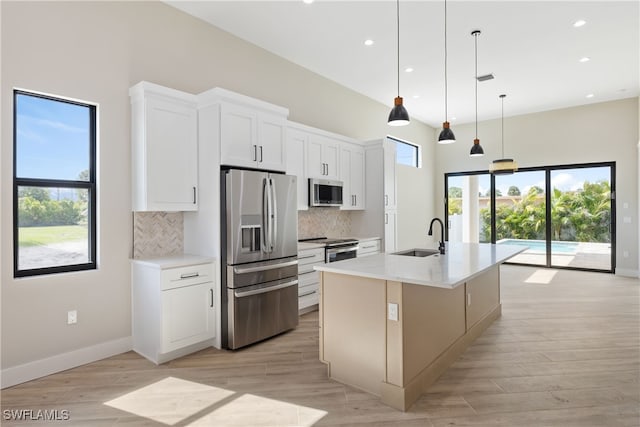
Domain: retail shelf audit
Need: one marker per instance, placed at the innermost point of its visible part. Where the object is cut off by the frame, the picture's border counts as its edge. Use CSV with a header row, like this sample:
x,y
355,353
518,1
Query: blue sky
x,y
52,138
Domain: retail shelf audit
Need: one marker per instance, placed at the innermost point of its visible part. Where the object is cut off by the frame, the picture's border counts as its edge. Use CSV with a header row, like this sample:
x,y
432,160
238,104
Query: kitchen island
x,y
392,324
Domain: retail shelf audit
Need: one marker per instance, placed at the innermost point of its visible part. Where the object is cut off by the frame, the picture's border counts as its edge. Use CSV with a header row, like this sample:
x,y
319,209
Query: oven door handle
x,y
265,290
343,250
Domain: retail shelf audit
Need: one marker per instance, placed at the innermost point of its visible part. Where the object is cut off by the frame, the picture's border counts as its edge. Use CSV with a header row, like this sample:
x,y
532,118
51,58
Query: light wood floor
x,y
564,353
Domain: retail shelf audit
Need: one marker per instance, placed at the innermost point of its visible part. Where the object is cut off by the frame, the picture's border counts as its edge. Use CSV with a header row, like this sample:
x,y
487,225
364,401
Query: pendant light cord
x,y
398,39
446,115
502,97
476,45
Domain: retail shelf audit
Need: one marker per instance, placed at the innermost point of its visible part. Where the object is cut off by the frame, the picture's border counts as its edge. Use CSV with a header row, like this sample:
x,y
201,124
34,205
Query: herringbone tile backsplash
x,y
157,234
323,222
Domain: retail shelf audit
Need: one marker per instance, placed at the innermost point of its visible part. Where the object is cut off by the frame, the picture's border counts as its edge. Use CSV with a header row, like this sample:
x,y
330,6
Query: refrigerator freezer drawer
x,y
258,314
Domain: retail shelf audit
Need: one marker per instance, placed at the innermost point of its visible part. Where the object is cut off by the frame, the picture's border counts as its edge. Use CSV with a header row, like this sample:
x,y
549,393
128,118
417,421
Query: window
x,y
407,153
54,185
563,215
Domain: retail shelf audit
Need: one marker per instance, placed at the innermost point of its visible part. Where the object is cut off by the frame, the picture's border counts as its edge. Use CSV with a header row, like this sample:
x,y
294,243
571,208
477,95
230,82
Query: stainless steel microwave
x,y
324,192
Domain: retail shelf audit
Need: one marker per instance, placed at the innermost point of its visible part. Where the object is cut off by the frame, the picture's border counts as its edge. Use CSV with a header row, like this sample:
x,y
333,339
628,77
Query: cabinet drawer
x,y
308,278
308,299
186,276
307,290
369,248
311,256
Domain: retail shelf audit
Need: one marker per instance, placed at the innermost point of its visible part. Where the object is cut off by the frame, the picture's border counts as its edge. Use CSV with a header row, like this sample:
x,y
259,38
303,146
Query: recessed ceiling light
x,y
454,118
416,96
579,23
307,1
408,69
368,42
590,95
585,59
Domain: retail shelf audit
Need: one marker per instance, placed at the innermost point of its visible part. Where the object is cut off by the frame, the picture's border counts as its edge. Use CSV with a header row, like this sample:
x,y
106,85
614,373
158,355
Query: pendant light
x,y
446,136
398,115
503,166
476,149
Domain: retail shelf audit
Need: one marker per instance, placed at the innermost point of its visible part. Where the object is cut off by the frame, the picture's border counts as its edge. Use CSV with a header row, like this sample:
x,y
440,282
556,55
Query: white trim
x,y
61,362
627,272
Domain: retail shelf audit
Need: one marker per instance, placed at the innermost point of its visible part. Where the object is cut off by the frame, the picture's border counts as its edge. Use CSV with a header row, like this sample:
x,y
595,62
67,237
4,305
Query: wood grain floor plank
x,y
564,353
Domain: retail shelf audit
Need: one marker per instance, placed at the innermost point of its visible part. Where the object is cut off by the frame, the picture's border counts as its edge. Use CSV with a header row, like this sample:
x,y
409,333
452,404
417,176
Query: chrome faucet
x,y
430,233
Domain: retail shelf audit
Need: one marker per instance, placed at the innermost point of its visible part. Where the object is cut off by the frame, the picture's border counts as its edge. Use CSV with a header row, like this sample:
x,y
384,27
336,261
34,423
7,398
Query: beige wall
x,y
95,52
599,132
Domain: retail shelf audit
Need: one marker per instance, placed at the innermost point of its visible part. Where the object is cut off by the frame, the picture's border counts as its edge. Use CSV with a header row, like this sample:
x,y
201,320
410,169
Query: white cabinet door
x,y
164,150
271,142
352,176
187,316
322,157
390,230
296,149
238,136
390,201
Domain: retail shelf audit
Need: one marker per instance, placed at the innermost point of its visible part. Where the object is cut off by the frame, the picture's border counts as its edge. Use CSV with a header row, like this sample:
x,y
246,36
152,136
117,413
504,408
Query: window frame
x,y
90,186
417,147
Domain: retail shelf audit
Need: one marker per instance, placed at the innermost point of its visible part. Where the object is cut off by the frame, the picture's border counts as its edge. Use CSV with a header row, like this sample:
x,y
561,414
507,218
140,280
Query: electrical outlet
x,y
72,317
625,254
393,311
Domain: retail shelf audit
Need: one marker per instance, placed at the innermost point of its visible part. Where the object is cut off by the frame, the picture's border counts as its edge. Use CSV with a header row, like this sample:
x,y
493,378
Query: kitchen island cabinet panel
x,y
354,340
482,295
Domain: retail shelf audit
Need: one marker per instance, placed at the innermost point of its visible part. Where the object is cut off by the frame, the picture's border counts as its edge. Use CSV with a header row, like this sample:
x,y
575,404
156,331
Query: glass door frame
x,y
548,220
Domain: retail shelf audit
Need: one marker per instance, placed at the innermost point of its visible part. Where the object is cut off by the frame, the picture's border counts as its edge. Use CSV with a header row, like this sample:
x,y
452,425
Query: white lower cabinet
x,y
308,278
172,307
368,247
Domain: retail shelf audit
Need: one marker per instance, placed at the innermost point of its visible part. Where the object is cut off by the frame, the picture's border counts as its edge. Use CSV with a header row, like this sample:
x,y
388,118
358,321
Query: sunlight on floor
x,y
172,400
542,276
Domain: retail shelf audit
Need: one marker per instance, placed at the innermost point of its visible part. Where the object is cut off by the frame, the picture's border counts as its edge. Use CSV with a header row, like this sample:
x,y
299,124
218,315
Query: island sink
x,y
417,252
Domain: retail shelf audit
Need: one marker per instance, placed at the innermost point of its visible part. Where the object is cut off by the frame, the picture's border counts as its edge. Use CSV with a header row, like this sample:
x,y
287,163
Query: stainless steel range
x,y
336,249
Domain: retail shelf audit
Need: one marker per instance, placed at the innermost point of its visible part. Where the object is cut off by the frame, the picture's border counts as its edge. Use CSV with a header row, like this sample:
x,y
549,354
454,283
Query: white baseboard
x,y
627,272
61,362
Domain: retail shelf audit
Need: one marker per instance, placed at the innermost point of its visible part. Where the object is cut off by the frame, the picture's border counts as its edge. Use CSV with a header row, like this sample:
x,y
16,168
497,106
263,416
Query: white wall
x,y
95,51
598,132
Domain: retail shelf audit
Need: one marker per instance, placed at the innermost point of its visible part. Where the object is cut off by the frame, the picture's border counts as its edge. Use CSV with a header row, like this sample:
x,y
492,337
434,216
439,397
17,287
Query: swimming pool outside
x,y
540,246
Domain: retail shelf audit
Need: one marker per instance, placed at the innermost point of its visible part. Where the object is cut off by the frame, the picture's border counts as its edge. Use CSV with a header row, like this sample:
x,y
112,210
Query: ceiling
x,y
531,47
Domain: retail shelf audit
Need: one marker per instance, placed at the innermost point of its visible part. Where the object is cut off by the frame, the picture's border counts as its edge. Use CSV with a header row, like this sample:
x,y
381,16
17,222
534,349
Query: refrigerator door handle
x,y
265,290
265,217
274,216
244,270
269,215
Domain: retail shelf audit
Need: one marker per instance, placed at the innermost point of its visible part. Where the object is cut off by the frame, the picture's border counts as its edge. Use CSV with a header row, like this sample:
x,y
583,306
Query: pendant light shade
x,y
446,136
398,115
503,166
476,148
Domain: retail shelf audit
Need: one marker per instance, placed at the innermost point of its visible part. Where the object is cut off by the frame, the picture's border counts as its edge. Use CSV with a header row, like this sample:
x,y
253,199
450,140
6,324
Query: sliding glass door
x,y
581,218
520,215
564,216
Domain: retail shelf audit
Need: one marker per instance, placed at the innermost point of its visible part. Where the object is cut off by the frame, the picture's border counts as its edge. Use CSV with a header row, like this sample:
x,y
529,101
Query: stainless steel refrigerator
x,y
259,256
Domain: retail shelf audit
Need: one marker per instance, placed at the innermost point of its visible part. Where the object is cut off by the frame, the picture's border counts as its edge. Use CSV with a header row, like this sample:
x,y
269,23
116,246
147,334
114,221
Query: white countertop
x,y
173,261
461,262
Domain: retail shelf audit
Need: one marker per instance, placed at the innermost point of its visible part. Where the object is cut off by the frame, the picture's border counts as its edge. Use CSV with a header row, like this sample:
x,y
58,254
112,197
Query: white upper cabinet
x,y
322,157
164,149
389,183
352,176
251,136
296,160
